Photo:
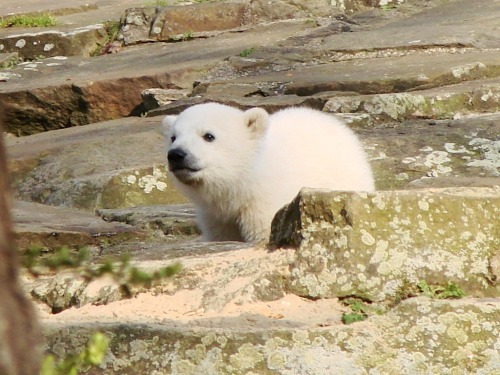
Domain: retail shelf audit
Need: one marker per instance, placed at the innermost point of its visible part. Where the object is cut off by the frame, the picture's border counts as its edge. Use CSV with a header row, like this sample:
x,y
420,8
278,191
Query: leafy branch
x,y
123,272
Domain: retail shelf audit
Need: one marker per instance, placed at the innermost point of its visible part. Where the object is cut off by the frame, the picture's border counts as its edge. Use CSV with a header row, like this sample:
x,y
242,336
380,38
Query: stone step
x,y
176,219
418,336
194,20
46,6
445,102
51,228
61,92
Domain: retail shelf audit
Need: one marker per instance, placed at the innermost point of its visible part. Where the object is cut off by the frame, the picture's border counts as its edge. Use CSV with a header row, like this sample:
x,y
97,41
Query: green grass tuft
x,y
23,20
247,52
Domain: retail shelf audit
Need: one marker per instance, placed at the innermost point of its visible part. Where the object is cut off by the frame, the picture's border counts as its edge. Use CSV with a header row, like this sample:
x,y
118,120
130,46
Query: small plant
x,y
112,30
247,52
24,20
353,317
188,35
10,63
183,37
359,311
111,43
451,291
125,274
388,7
92,355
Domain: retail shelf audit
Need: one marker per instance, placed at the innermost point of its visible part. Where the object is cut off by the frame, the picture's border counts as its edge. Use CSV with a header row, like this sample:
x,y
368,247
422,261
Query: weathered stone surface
x,y
440,103
382,75
435,26
219,274
62,92
148,186
436,153
136,25
174,21
265,10
183,22
55,227
46,6
66,290
36,110
419,336
109,165
373,245
34,45
154,98
170,219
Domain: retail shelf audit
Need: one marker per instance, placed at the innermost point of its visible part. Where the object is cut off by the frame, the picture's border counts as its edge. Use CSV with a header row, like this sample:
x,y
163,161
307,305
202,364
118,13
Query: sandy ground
x,y
216,276
182,307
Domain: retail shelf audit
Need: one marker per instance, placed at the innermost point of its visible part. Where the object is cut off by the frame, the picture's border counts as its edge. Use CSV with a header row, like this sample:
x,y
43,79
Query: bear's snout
x,y
177,159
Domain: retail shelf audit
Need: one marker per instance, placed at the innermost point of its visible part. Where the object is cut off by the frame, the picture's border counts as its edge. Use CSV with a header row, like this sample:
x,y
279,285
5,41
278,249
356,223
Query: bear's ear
x,y
167,122
256,119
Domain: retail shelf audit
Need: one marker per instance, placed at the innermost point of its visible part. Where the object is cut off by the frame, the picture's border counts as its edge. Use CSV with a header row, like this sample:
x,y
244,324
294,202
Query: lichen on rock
x,y
371,245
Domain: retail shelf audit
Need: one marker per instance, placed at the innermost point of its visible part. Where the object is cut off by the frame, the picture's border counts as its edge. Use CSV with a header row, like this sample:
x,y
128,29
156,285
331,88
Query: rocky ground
x,y
418,80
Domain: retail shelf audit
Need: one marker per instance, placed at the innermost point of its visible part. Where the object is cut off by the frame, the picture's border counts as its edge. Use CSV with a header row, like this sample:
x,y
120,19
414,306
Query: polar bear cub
x,y
240,167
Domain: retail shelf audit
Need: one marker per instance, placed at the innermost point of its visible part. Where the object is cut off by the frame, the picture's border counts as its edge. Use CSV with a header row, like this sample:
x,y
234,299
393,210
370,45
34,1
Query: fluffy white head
x,y
210,147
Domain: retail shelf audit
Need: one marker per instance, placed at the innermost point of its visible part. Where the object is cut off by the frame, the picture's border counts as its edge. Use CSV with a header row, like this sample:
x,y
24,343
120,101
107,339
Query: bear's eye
x,y
172,138
209,137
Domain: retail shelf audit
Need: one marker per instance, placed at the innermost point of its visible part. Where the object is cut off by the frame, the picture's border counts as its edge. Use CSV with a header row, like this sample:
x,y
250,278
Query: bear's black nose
x,y
176,155
176,158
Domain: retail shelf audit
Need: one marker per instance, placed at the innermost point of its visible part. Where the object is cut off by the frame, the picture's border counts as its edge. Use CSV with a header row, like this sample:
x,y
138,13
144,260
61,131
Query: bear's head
x,y
214,144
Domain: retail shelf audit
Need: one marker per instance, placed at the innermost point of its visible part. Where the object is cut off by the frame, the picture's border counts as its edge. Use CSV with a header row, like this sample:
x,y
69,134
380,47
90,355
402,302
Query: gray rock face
x,y
373,245
418,81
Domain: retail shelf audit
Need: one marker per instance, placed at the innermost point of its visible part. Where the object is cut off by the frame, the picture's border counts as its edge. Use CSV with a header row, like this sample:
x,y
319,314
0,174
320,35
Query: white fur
x,y
258,163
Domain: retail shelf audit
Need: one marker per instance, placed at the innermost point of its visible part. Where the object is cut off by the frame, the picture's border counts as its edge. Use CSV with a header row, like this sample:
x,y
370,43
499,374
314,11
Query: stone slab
x,y
40,6
199,17
436,153
418,336
373,245
169,219
458,23
439,103
54,227
368,76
